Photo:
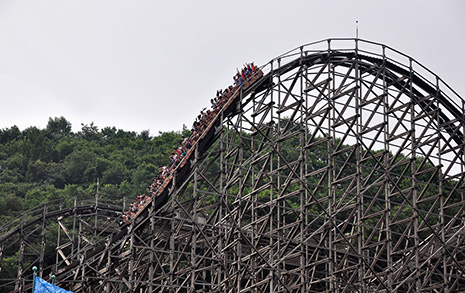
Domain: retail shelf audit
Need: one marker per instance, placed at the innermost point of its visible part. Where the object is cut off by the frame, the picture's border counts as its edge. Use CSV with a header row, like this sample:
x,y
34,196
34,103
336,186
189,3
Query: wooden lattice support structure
x,y
340,170
79,226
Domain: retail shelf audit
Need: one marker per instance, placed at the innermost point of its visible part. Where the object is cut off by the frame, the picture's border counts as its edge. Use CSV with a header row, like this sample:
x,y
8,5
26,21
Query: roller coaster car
x,y
205,140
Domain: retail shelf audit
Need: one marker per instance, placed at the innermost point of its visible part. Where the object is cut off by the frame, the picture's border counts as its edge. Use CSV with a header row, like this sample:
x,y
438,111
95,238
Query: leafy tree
x,y
144,135
10,134
89,132
115,173
78,166
57,127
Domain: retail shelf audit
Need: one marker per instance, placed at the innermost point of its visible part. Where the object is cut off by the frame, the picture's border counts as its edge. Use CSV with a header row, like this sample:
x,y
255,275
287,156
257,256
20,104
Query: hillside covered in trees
x,y
39,165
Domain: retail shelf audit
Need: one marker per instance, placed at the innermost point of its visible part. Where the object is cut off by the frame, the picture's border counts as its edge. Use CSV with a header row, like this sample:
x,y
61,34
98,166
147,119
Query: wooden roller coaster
x,y
338,167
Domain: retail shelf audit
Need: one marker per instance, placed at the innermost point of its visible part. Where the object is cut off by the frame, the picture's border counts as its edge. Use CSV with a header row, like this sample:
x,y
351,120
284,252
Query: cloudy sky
x,y
152,65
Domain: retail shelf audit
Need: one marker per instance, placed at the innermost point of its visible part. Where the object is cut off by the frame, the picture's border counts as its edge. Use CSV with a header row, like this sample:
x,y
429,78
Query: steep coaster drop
x,y
201,132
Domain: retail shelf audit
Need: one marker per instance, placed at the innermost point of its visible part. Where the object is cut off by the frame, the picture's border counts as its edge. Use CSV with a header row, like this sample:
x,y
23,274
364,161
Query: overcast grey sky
x,y
153,65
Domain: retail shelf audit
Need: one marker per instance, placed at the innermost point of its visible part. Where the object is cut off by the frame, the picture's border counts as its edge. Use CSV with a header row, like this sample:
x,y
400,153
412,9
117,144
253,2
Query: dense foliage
x,y
39,165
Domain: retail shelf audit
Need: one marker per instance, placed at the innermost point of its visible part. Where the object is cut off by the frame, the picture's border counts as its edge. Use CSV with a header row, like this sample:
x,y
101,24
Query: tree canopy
x,y
38,165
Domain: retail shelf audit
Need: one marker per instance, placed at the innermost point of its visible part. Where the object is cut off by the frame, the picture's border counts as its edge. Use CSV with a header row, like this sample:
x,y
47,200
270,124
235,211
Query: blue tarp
x,y
42,286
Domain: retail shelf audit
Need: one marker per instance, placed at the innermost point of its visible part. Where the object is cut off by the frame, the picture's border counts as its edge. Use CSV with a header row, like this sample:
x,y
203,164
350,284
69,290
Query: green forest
x,y
40,165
